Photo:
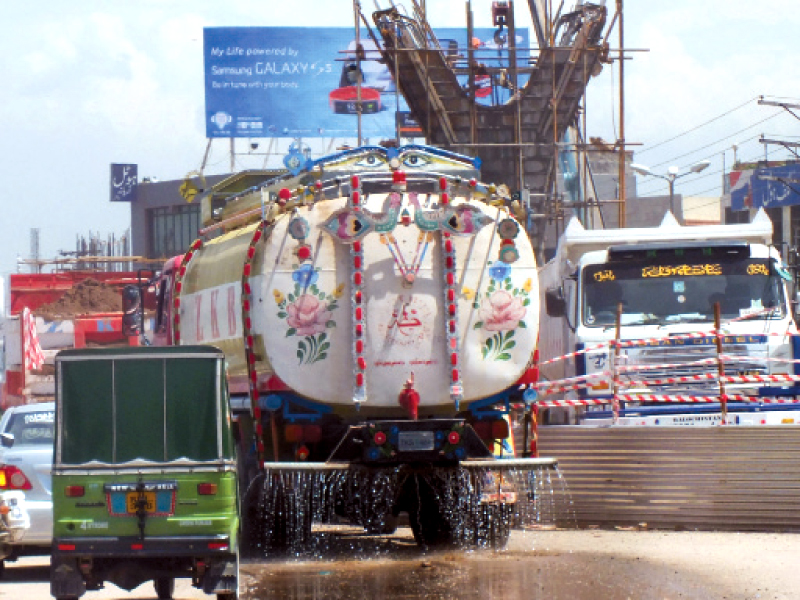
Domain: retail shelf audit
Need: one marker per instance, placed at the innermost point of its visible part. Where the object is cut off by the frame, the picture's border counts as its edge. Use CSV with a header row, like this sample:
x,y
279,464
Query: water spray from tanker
x,y
298,511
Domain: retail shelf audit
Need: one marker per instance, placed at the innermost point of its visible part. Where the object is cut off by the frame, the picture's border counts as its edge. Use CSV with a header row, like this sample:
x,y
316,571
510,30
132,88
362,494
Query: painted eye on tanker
x,y
416,161
465,220
347,226
371,161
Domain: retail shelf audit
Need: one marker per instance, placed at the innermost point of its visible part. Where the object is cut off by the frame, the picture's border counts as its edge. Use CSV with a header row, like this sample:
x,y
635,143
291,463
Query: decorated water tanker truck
x,y
378,310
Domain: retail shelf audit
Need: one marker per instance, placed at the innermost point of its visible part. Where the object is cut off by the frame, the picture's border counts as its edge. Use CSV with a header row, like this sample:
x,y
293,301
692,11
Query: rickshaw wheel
x,y
165,587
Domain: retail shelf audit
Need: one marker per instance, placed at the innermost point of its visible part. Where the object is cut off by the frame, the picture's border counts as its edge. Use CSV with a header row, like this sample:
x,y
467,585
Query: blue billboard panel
x,y
124,182
765,187
300,81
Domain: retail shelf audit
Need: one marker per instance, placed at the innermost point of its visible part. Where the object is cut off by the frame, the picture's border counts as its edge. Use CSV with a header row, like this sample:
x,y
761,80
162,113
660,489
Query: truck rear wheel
x,y
286,517
494,526
429,526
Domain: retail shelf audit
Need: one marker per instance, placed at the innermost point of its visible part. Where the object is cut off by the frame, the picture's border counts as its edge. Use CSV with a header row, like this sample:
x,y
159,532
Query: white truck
x,y
628,332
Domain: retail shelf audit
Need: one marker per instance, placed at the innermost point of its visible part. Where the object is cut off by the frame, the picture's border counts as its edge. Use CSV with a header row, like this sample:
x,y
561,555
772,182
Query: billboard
x,y
124,182
765,186
299,81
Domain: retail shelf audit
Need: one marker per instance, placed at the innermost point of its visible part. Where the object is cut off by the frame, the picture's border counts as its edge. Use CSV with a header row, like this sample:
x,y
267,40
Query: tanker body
x,y
378,309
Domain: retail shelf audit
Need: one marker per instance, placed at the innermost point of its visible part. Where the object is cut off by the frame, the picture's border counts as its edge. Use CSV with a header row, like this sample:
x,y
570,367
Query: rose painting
x,y
501,312
309,313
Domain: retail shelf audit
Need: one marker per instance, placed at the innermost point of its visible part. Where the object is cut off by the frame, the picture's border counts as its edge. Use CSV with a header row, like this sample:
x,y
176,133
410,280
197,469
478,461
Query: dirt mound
x,y
88,296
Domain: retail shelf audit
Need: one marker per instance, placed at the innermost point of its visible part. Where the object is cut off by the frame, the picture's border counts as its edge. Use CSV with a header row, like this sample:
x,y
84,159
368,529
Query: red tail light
x,y
312,433
207,489
296,433
11,478
74,491
293,433
218,546
500,429
495,429
483,429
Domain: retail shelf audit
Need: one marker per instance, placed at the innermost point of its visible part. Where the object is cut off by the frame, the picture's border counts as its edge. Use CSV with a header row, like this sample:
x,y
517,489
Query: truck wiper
x,y
642,320
688,318
767,313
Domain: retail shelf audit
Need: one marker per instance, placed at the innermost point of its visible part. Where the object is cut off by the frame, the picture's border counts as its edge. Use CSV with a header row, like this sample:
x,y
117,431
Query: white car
x,y
14,522
26,459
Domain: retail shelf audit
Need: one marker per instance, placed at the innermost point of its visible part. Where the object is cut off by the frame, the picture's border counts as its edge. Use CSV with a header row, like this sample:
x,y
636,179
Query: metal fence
x,y
704,478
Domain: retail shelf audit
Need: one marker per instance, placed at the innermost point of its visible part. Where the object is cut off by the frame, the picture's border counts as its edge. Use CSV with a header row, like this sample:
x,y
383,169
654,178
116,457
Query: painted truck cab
x,y
668,281
144,471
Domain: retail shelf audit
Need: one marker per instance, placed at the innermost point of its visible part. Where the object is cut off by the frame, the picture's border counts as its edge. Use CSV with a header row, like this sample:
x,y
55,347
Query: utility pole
x,y
621,117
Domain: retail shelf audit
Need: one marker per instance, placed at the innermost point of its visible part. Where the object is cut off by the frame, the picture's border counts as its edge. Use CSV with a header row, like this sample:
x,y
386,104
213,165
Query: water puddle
x,y
479,575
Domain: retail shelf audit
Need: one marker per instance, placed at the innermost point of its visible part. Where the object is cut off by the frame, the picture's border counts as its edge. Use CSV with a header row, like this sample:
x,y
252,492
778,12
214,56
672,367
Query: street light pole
x,y
673,173
671,179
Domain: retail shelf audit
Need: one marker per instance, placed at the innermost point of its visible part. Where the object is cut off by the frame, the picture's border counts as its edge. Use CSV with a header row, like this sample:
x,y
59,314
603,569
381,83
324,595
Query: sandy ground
x,y
726,565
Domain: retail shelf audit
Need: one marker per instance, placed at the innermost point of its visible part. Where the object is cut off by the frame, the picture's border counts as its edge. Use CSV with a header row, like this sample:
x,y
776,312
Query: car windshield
x,y
31,428
682,292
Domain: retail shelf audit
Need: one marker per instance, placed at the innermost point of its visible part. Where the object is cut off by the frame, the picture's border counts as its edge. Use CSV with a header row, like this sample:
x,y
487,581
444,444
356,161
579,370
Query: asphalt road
x,y
540,565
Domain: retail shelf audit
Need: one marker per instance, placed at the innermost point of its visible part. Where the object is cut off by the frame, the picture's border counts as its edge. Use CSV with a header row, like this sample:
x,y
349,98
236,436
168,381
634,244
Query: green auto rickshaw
x,y
144,472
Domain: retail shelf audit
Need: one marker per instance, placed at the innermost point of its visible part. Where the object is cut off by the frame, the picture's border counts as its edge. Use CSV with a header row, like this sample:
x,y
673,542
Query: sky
x,y
93,82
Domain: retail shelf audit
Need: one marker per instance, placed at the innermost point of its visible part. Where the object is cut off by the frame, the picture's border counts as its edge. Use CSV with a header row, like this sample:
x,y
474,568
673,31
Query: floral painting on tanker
x,y
501,311
308,312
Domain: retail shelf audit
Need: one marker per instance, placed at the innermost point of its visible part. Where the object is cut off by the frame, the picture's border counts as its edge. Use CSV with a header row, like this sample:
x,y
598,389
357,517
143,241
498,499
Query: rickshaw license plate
x,y
415,441
133,499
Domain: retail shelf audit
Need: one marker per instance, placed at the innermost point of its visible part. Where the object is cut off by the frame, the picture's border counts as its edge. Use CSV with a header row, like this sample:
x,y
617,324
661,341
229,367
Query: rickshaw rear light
x,y
66,547
11,478
74,491
218,546
207,489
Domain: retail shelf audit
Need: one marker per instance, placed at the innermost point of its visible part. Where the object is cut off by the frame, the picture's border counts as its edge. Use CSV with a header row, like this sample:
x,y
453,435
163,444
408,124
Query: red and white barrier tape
x,y
655,341
678,399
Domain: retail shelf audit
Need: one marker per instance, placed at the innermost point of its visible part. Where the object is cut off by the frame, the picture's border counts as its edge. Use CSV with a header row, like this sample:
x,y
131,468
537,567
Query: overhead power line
x,y
727,137
688,131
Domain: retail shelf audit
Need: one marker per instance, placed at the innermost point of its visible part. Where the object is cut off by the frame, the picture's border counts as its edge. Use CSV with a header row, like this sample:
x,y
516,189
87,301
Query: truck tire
x,y
252,525
165,587
494,526
430,528
286,518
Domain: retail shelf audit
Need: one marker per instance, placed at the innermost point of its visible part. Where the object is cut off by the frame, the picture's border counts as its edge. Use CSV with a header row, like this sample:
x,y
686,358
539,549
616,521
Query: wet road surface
x,y
538,565
545,565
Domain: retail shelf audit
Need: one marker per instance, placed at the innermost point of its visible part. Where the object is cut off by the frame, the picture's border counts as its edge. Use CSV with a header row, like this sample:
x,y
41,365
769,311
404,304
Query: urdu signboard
x,y
768,185
124,182
299,81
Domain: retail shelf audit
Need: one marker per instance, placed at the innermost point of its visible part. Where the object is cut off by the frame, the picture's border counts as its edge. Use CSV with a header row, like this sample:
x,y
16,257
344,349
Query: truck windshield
x,y
681,292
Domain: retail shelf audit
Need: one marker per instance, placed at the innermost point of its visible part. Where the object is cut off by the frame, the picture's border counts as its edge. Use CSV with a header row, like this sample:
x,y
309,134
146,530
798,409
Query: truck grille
x,y
676,362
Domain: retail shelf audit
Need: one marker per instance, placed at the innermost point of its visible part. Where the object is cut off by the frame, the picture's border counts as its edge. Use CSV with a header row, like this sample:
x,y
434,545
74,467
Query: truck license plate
x,y
133,501
415,441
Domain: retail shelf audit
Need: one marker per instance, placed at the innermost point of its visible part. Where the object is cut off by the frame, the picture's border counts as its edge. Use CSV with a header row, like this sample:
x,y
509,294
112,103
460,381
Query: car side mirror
x,y
554,303
7,439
